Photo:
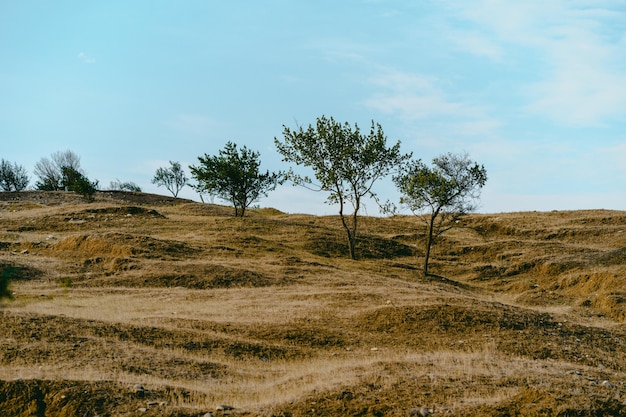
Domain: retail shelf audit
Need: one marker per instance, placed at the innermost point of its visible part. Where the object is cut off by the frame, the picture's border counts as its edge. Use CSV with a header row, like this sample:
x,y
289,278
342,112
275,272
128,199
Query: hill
x,y
138,304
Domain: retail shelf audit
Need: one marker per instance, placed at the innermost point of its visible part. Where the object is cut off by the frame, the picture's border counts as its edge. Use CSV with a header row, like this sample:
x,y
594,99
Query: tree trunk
x,y
429,242
351,232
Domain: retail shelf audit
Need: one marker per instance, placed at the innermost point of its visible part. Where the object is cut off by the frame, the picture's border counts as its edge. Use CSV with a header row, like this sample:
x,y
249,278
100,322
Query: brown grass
x,y
526,315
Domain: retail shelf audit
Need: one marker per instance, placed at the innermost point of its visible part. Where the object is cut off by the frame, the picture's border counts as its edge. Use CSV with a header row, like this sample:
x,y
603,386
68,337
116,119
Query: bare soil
x,y
145,305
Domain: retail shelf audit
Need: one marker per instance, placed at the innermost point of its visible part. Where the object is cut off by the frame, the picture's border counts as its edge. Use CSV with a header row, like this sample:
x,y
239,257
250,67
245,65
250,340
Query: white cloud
x,y
86,59
578,48
412,97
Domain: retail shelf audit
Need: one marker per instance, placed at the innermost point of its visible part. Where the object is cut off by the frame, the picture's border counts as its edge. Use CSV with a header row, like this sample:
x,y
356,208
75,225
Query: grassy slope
x,y
267,314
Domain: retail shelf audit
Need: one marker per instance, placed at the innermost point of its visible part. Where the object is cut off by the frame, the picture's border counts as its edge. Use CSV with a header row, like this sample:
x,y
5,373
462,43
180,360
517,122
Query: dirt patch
x,y
335,244
199,276
18,272
548,402
123,245
40,398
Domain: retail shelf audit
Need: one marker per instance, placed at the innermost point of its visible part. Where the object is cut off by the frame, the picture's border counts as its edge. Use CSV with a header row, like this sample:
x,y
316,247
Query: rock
x,y
209,414
224,408
607,384
419,411
140,391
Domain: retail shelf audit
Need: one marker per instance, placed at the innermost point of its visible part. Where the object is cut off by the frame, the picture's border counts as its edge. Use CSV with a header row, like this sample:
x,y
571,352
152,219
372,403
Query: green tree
x,y
118,185
13,177
76,181
346,164
446,191
172,178
50,170
234,175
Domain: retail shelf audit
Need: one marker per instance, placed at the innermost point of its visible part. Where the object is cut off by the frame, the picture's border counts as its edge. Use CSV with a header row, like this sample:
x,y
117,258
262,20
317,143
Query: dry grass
x,y
267,313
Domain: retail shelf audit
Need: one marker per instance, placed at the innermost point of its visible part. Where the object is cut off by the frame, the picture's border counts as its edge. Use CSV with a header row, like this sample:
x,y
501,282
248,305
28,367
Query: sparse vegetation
x,y
202,309
118,185
50,170
62,172
447,192
345,162
76,181
172,178
13,177
234,175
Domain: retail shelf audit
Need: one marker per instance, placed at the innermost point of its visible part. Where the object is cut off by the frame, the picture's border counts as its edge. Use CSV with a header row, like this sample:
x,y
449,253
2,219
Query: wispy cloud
x,y
580,79
412,96
86,59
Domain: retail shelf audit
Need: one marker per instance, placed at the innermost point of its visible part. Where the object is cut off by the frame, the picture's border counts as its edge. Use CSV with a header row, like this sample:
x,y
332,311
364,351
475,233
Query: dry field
x,y
269,316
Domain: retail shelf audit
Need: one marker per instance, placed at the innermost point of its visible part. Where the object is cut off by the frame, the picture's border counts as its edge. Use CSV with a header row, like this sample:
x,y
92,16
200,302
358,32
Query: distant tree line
x,y
346,162
60,172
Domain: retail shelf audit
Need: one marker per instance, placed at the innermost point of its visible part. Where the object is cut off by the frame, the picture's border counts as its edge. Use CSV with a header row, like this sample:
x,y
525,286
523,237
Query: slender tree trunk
x,y
351,232
429,242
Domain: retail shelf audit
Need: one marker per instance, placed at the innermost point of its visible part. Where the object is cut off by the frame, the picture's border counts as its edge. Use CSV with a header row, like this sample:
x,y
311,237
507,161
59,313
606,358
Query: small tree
x,y
346,163
73,180
118,185
446,192
234,176
172,178
13,177
50,171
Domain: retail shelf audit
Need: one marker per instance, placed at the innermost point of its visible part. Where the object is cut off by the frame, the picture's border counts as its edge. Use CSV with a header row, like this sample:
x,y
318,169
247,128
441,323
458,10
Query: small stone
x,y
209,414
142,409
607,384
223,407
419,411
140,391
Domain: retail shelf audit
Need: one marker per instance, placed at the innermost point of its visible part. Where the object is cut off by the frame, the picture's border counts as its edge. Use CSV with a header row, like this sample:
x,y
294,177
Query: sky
x,y
534,90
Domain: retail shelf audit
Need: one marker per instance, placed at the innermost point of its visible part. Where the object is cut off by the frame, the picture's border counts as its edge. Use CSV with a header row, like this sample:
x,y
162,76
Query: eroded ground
x,y
267,315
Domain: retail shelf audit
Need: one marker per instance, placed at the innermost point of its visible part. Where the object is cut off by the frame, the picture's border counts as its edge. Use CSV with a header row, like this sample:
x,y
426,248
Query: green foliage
x,y
50,170
73,180
5,278
346,163
13,177
118,185
234,175
172,178
446,191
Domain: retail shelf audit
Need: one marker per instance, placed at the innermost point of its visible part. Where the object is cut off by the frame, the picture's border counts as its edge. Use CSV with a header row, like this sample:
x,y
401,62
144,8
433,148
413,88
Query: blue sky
x,y
534,90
